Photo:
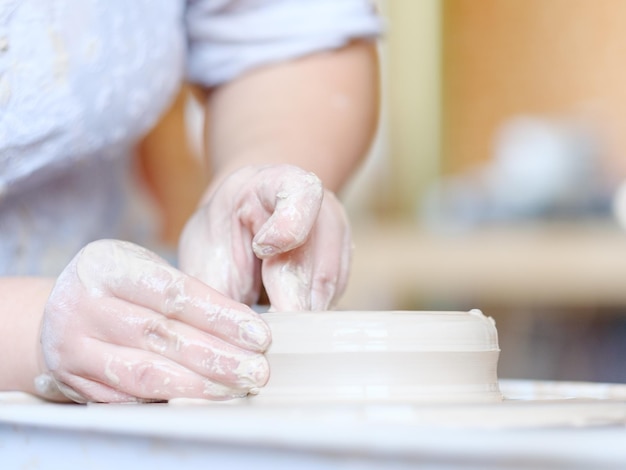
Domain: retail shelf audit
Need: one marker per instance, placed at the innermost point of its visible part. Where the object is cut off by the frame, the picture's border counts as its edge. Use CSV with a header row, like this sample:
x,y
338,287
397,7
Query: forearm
x,y
318,112
22,302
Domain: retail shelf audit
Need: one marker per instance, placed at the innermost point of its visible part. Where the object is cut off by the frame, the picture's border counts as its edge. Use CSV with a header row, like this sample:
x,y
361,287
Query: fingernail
x,y
217,391
254,371
263,251
255,333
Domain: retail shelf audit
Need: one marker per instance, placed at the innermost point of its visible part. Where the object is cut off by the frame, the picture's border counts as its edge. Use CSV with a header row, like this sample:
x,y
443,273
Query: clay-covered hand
x,y
274,226
123,325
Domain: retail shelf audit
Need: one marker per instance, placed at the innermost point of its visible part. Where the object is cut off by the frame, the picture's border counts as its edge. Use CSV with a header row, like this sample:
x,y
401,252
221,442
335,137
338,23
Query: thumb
x,y
293,197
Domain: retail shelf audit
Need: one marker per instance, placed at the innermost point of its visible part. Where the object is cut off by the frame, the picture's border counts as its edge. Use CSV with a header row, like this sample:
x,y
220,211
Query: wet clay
x,y
399,356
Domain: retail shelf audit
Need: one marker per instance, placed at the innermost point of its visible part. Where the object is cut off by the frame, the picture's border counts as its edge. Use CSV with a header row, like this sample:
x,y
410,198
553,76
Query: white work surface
x,y
540,425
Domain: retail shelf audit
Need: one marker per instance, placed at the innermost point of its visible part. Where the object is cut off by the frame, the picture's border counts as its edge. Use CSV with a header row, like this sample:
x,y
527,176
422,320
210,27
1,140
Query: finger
x,y
88,391
287,280
293,197
127,325
132,273
313,276
139,374
226,263
333,268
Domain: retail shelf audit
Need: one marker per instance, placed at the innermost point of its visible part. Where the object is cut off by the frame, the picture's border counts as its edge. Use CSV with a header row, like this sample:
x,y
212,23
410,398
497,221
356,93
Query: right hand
x,y
123,325
274,225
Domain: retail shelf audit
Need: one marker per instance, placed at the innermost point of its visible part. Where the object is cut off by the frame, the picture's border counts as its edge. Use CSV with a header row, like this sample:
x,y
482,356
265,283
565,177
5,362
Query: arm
x,y
266,219
174,175
22,302
318,112
120,324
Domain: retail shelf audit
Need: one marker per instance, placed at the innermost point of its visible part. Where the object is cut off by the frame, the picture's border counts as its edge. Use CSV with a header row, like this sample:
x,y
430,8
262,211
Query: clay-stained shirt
x,y
81,81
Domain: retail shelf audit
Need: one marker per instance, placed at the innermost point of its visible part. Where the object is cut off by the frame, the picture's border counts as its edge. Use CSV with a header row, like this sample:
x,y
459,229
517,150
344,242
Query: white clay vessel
x,y
366,356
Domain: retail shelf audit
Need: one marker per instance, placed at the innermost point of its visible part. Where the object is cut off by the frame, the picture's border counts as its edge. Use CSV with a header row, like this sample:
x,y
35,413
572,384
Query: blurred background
x,y
495,181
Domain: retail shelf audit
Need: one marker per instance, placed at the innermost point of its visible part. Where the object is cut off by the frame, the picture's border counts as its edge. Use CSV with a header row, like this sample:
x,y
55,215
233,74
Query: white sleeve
x,y
229,37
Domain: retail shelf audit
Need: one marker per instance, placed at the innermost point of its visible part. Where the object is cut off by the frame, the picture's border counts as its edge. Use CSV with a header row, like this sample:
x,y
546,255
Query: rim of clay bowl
x,y
375,331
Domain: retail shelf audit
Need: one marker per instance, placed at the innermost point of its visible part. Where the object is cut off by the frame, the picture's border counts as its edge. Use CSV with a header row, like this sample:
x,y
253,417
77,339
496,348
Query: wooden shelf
x,y
551,264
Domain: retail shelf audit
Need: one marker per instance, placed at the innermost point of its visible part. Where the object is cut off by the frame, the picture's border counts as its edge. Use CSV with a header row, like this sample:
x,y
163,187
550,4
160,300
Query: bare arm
x,y
318,113
265,219
22,303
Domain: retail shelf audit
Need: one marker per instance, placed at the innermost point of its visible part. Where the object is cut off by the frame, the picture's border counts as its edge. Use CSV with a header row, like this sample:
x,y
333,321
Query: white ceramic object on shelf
x,y
367,356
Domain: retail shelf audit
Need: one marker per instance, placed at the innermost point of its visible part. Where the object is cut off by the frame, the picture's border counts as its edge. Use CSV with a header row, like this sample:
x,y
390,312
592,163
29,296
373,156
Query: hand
x,y
272,225
123,325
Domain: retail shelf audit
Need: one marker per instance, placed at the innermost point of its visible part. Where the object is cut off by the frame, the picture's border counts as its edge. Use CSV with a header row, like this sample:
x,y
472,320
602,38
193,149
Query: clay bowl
x,y
367,356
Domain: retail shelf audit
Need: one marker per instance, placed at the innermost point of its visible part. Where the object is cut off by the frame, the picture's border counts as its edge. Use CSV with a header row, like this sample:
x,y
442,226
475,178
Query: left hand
x,y
123,325
275,226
